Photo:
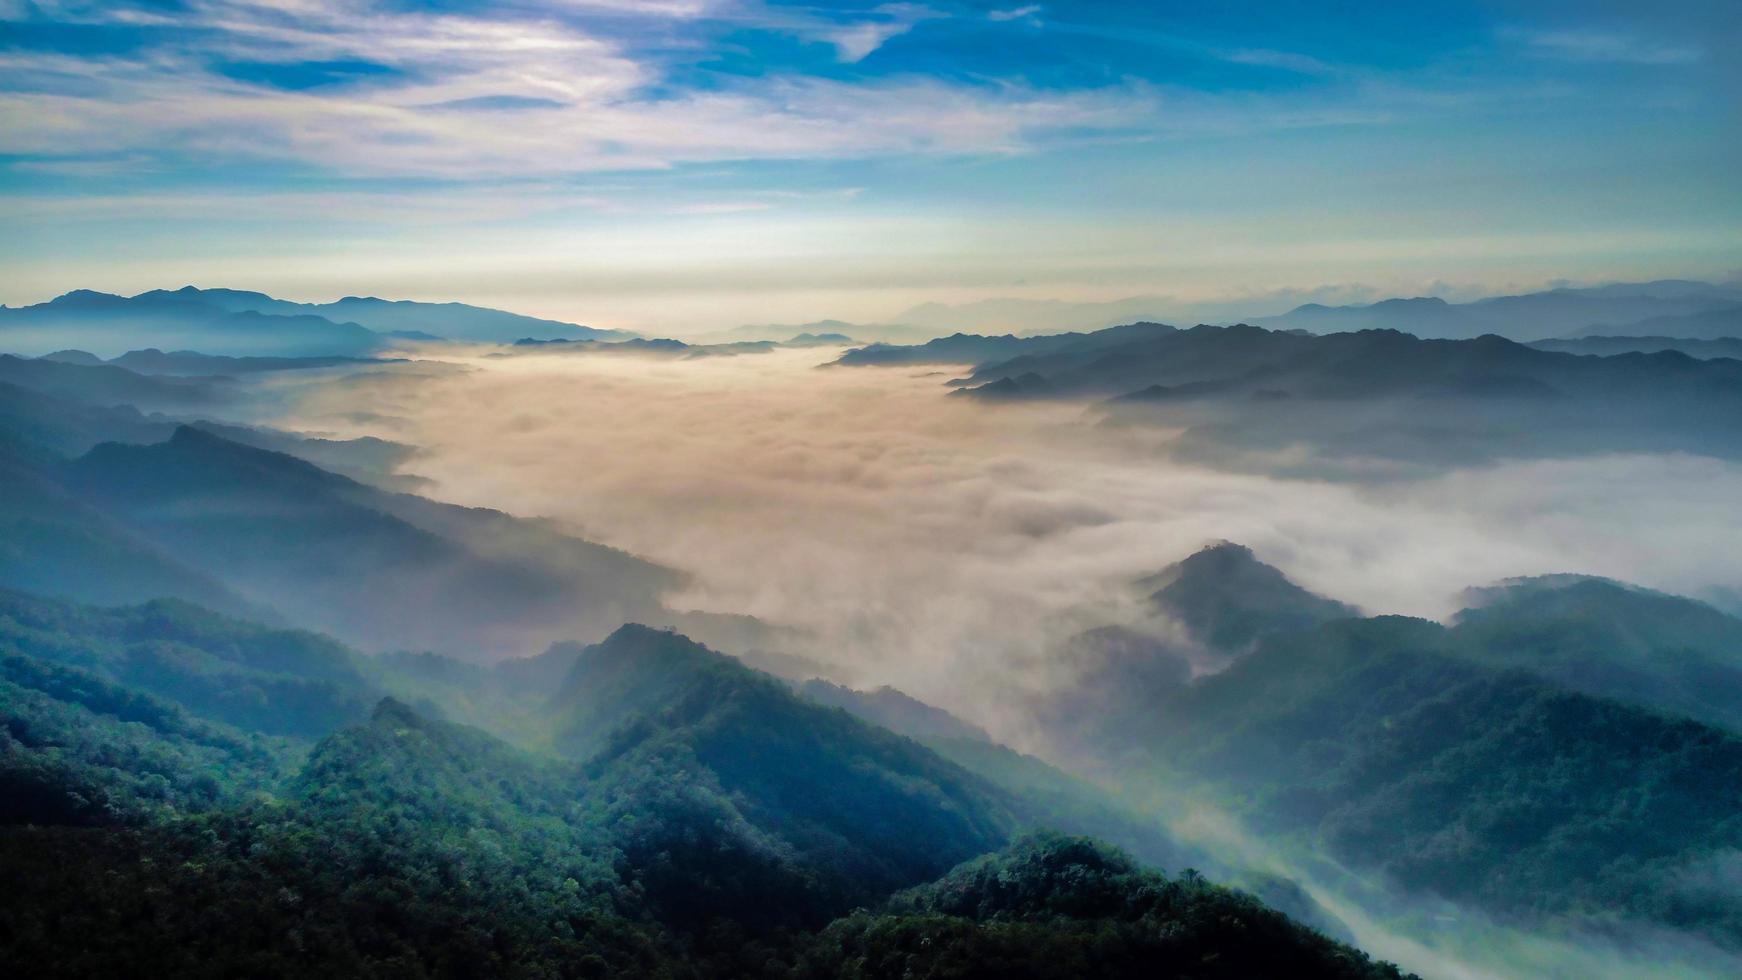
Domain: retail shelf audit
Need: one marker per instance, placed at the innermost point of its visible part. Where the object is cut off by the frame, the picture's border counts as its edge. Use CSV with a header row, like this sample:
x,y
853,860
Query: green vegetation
x,y
720,826
1228,599
273,681
1375,738
408,846
1052,906
77,750
1612,640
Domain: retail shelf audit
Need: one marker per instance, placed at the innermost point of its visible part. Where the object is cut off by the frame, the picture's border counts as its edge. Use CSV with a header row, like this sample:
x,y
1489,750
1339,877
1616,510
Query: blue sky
x,y
685,164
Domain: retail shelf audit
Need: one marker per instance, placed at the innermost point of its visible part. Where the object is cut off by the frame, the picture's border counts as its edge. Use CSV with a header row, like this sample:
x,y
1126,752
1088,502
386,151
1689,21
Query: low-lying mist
x,y
940,544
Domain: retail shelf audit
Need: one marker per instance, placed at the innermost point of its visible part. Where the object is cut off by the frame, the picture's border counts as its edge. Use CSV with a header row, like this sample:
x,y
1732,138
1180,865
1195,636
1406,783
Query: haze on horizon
x,y
676,167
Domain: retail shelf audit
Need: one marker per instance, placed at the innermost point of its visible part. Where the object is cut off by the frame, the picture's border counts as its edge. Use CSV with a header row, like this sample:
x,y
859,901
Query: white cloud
x,y
582,96
855,42
1029,13
1603,47
941,545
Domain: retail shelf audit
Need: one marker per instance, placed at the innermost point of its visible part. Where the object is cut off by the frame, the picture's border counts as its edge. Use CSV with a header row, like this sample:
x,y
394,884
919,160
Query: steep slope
x,y
273,681
54,544
376,568
1375,739
77,749
1228,599
1060,907
406,846
108,384
889,708
403,847
864,809
1607,639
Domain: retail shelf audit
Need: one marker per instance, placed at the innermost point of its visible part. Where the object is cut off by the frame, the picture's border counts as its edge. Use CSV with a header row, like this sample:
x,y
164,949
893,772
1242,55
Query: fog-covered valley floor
x,y
951,548
916,535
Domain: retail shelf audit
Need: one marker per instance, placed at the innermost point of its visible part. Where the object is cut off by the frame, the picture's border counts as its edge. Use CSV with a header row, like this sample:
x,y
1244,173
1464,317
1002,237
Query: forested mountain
x,y
1469,763
1612,640
107,384
1486,786
108,505
1228,600
1060,907
891,709
273,681
1213,606
713,834
77,750
1377,401
846,808
1247,362
377,568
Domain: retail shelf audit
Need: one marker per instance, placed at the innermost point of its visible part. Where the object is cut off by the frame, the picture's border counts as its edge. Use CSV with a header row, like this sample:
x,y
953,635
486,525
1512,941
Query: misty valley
x,y
428,640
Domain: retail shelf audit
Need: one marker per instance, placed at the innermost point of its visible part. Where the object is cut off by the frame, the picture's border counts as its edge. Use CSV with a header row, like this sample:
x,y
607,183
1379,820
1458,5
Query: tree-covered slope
x,y
1228,599
382,569
861,809
79,750
274,681
411,847
1377,739
1608,639
1060,907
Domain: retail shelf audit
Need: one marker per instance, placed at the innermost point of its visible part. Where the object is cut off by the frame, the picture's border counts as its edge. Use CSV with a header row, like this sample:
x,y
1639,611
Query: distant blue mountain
x,y
237,323
1664,308
450,321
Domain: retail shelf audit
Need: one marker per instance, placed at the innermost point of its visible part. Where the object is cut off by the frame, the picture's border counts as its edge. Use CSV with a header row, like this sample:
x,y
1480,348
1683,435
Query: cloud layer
x,y
944,547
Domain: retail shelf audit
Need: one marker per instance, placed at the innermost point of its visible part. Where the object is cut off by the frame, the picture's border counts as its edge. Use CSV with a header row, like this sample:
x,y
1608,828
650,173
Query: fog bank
x,y
929,541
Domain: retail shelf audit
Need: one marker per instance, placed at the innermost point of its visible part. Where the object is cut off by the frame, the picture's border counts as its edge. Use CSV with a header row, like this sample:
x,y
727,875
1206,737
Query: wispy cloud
x,y
581,100
1603,47
856,41
1031,13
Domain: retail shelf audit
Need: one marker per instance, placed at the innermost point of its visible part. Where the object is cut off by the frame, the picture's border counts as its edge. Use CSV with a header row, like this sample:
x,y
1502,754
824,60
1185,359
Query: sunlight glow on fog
x,y
921,536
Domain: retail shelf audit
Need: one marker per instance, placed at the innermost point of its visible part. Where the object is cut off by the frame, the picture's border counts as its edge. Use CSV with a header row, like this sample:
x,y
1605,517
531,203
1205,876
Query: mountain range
x,y
1363,404
1664,308
239,323
1551,756
717,824
107,504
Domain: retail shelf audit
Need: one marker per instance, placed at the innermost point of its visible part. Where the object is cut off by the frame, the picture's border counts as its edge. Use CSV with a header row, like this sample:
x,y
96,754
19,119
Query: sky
x,y
681,165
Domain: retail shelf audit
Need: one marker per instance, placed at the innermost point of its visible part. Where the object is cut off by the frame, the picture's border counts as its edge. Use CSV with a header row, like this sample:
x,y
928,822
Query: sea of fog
x,y
927,540
944,545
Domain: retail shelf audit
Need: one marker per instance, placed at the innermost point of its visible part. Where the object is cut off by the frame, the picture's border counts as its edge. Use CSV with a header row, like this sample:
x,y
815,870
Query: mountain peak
x,y
395,713
1228,599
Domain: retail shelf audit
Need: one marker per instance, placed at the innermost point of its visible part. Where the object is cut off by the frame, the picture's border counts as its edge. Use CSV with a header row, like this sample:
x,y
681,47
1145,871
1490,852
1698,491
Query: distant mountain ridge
x,y
1668,307
1240,395
241,323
